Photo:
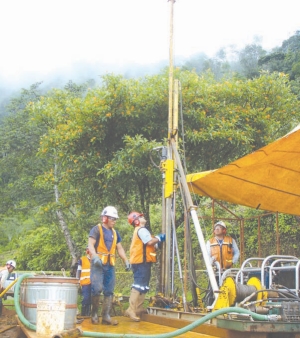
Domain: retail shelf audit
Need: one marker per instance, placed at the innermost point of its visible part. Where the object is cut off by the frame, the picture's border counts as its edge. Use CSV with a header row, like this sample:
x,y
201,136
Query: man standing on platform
x,y
104,240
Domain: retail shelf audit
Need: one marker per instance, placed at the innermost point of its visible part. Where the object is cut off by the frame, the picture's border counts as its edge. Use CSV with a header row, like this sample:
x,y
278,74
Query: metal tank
x,y
49,288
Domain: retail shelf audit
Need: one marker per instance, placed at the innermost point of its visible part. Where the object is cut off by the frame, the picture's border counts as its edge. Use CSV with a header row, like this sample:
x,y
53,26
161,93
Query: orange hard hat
x,y
133,218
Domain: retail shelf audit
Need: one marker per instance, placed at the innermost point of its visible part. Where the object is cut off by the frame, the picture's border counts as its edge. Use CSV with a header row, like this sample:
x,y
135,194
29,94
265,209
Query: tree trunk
x,y
71,245
75,254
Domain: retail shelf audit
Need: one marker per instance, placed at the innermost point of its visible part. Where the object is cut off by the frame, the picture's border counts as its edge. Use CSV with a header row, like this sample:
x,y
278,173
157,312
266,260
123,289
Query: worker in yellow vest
x,y
104,241
83,274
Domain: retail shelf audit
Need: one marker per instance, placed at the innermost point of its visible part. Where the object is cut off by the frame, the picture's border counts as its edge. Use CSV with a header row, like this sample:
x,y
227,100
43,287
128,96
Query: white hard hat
x,y
110,211
12,263
220,223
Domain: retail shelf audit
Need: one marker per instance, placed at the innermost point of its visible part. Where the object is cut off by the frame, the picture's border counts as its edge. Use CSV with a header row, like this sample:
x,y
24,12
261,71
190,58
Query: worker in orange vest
x,y
83,274
222,248
142,255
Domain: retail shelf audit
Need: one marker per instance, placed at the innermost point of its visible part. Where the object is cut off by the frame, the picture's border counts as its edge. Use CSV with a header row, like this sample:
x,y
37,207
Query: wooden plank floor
x,y
125,326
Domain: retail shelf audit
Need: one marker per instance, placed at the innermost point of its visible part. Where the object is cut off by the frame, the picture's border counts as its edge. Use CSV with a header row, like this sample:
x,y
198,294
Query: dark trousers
x,y
103,279
141,276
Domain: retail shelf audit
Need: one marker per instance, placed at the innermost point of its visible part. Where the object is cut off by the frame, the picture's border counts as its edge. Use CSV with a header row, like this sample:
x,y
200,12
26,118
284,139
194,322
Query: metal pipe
x,y
167,246
178,261
274,268
264,264
192,210
297,275
170,119
173,256
163,277
175,111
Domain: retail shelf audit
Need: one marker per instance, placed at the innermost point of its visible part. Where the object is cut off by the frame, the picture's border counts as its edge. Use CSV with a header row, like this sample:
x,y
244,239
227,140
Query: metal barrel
x,y
53,289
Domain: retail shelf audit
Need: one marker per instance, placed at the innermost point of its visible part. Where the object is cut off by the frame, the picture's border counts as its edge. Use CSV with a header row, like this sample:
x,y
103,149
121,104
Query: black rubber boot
x,y
95,308
82,313
107,304
88,310
85,310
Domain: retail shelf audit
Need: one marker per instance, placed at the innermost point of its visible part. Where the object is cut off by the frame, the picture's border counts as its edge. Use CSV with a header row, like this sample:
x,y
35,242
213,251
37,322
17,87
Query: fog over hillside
x,y
79,72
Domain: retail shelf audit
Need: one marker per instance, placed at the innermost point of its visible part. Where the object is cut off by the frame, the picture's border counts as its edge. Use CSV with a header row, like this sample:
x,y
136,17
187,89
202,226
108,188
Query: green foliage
x,y
225,120
43,249
141,187
75,150
285,59
4,240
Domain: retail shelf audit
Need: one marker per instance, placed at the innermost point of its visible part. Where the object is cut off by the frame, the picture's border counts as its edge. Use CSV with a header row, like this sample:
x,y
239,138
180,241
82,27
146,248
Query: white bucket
x,y
50,317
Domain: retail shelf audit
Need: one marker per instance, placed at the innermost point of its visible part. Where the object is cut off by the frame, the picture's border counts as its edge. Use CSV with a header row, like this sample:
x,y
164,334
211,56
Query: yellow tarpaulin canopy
x,y
267,179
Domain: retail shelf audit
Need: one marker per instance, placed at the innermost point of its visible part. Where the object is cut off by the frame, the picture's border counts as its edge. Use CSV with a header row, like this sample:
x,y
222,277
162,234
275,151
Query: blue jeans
x,y
86,294
103,279
141,276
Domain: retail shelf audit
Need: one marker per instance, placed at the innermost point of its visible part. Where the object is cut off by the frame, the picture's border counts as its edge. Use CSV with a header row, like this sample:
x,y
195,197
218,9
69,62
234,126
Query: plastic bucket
x,y
50,317
53,289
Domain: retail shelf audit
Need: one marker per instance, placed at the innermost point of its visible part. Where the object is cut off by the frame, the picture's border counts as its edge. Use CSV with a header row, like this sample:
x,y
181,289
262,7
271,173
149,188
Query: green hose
x,y
17,302
185,329
163,335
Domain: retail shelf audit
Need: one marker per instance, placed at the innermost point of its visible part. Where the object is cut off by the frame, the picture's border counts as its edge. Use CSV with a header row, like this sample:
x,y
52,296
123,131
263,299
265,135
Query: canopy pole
x,y
277,235
259,237
242,240
192,209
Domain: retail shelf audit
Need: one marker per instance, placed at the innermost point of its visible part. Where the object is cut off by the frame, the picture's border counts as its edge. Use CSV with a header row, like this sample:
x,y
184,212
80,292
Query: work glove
x,y
161,237
127,266
97,261
157,245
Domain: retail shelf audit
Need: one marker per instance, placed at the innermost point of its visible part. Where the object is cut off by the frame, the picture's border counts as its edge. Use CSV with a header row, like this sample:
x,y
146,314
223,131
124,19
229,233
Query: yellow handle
x,y
9,286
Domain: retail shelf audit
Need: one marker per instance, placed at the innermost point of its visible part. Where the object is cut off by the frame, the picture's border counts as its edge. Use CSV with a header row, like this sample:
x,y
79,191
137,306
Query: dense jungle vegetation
x,y
68,152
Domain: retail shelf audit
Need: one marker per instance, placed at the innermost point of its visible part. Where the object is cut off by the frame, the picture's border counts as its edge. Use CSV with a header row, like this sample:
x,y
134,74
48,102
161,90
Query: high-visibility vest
x,y
222,253
85,271
140,252
107,257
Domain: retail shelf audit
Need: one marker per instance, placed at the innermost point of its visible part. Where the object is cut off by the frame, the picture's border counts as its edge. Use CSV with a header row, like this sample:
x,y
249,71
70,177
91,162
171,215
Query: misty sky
x,y
48,36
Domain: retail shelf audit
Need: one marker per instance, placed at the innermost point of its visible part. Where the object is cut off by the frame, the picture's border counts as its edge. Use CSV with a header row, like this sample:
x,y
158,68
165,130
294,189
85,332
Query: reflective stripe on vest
x,y
222,253
107,257
85,271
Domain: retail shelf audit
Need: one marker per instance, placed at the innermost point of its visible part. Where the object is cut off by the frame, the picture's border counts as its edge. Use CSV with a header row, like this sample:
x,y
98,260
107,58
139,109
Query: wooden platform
x,y
125,326
154,325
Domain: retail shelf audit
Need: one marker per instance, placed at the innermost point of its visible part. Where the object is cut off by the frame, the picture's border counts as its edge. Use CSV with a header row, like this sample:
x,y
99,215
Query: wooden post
x,y
277,235
259,237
